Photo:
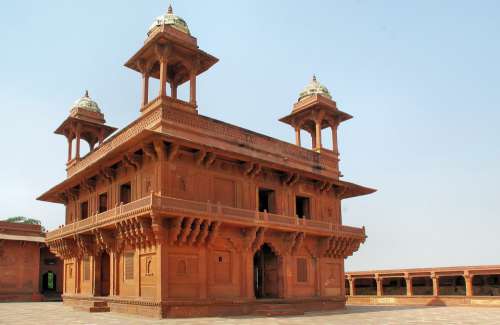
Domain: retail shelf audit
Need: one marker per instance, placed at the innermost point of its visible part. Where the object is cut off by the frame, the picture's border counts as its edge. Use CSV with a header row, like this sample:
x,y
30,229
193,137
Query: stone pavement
x,y
53,313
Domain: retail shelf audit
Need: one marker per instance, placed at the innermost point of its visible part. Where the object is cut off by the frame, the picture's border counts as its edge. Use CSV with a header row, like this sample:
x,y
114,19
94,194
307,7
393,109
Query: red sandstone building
x,y
28,271
179,214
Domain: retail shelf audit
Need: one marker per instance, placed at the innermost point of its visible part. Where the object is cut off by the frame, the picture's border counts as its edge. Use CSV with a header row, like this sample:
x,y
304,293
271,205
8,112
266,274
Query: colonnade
x,y
466,284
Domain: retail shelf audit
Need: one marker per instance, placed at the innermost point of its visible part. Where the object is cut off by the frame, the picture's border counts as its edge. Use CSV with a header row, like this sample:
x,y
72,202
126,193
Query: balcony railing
x,y
179,207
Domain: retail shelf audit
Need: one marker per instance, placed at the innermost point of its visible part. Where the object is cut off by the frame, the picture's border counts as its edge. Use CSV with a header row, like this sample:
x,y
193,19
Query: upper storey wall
x,y
223,182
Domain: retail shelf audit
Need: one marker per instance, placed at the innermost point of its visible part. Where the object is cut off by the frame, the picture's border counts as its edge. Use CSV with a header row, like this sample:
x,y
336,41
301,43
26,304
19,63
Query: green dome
x,y
171,20
314,88
86,103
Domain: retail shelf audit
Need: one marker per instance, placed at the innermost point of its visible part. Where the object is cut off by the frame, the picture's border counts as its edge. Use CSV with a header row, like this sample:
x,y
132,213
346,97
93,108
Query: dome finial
x,y
314,78
170,10
86,93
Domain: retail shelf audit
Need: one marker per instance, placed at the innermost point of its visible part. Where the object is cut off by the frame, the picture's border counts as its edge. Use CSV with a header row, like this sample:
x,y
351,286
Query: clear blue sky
x,y
422,79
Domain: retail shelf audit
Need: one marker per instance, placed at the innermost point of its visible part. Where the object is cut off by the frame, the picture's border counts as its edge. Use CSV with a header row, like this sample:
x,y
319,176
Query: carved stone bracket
x,y
339,247
193,231
105,240
290,179
251,169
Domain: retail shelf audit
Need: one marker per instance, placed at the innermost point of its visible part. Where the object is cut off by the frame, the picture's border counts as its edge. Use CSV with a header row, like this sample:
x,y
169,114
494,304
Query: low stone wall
x,y
424,301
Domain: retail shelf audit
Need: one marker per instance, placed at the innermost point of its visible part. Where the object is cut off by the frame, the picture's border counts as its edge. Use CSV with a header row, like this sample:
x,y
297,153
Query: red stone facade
x,y
465,285
179,214
25,264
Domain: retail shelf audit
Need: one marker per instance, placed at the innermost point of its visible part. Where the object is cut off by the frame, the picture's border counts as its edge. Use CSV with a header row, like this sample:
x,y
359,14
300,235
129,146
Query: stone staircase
x,y
277,309
94,306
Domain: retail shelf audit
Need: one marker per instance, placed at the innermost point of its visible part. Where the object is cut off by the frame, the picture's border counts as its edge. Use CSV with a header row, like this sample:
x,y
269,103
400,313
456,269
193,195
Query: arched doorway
x,y
267,273
105,274
49,282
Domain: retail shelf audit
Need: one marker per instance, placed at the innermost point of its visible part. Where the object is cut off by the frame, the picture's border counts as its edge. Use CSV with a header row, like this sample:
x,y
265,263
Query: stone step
x,y
93,306
269,310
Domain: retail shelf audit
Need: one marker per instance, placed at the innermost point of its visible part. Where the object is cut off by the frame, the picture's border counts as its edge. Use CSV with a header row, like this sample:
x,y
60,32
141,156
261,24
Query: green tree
x,y
20,219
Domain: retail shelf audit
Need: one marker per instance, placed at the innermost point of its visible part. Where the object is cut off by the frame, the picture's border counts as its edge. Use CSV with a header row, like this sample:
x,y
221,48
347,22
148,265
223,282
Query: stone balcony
x,y
169,207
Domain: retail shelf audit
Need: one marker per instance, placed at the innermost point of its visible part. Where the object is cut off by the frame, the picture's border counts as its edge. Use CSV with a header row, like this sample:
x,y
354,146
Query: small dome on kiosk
x,y
314,88
169,19
86,103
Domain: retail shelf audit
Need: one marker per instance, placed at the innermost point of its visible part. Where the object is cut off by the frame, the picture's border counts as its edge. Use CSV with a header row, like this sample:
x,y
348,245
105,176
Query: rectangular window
x,y
129,265
267,200
303,207
103,202
86,268
301,270
125,193
84,210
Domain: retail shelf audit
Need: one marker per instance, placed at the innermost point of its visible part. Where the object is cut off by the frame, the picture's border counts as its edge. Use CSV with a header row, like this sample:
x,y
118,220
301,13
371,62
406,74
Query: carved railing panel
x,y
198,223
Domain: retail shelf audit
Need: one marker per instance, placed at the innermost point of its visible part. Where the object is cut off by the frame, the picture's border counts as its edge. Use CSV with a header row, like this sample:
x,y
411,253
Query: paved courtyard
x,y
55,313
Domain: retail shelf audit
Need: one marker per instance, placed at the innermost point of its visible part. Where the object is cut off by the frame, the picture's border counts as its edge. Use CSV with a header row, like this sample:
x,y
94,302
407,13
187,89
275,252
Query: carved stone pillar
x,y
380,288
173,89
192,87
469,292
70,148
318,134
335,145
78,142
163,75
297,136
435,284
145,88
409,286
352,286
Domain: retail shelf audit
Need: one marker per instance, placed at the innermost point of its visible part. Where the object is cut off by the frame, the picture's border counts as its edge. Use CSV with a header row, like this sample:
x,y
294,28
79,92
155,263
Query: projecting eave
x,y
54,194
348,190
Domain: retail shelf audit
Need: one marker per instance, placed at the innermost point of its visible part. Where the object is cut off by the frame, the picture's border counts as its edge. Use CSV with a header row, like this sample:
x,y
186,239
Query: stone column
x,y
318,134
192,87
409,286
352,286
173,89
469,290
78,142
70,148
163,75
335,145
380,288
297,136
435,284
145,88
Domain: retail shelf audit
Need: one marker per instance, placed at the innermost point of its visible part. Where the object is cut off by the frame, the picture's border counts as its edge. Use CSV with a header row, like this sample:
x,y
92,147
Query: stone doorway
x,y
267,273
105,274
49,281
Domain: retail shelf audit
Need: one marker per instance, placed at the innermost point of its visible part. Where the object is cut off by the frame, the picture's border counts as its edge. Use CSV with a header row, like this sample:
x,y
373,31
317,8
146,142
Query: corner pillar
x,y
297,136
78,138
70,148
192,87
160,267
145,88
